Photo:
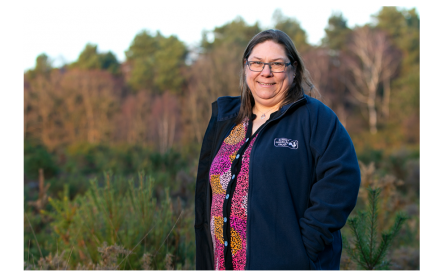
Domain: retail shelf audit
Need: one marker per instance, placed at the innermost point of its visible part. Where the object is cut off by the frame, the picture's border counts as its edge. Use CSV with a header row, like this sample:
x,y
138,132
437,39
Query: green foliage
x,y
90,59
82,215
109,62
366,252
156,63
369,155
43,67
337,32
36,241
63,214
403,26
168,64
83,160
36,156
391,20
125,216
88,158
292,28
236,33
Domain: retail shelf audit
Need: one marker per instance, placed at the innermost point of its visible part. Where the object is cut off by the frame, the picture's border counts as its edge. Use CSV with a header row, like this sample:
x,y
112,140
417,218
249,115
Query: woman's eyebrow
x,y
279,58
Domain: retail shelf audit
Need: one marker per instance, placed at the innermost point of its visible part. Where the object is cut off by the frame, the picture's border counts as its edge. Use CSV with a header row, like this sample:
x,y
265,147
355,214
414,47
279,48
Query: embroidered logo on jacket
x,y
284,142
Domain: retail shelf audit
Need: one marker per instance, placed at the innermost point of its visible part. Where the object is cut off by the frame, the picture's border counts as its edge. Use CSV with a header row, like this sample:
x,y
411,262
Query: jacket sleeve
x,y
334,192
204,249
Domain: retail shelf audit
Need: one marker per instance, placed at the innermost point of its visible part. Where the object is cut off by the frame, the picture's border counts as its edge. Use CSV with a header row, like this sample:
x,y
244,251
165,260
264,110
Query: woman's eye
x,y
277,64
257,63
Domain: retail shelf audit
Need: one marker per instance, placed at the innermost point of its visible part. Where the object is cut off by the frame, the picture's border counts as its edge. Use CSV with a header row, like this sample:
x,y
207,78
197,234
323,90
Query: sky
x,y
61,29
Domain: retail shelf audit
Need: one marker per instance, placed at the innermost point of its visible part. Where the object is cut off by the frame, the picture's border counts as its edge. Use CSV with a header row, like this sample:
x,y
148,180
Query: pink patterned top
x,y
220,176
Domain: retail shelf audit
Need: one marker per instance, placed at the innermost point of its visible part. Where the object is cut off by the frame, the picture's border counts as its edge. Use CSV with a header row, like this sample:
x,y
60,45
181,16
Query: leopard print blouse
x,y
220,176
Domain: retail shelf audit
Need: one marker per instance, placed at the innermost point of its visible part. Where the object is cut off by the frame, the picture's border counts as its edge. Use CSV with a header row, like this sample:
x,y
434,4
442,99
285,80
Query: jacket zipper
x,y
250,176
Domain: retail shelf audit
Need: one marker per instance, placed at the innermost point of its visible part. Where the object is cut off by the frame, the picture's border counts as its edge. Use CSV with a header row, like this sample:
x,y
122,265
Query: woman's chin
x,y
266,96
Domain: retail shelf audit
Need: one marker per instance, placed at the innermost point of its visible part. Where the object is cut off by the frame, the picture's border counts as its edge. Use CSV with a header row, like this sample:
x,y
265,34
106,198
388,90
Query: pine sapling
x,y
366,252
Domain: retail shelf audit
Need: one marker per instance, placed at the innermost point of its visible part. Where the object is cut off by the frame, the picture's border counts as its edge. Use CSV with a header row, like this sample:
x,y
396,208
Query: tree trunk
x,y
163,128
386,98
171,132
372,113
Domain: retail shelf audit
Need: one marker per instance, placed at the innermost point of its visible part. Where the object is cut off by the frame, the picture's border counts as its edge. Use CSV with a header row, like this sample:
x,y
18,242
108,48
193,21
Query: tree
x,y
156,63
236,33
337,32
367,253
371,55
165,110
215,73
404,30
391,20
42,107
133,123
109,63
326,70
90,101
292,27
43,67
90,59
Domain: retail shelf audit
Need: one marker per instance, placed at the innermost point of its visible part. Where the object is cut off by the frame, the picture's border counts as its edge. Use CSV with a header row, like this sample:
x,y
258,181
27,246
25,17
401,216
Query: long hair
x,y
301,79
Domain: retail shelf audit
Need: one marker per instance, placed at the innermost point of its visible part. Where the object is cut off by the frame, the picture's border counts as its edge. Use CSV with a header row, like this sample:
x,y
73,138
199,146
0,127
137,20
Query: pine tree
x,y
337,32
293,28
367,253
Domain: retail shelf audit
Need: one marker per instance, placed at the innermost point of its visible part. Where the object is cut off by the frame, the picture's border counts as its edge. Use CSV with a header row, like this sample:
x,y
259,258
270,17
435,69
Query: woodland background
x,y
111,149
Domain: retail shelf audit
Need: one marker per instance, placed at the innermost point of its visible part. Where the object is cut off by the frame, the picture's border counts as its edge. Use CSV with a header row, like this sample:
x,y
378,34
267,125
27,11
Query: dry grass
x,y
146,261
109,258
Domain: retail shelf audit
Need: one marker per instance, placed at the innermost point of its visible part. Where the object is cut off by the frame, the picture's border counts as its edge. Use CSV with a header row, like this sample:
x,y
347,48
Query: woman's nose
x,y
266,71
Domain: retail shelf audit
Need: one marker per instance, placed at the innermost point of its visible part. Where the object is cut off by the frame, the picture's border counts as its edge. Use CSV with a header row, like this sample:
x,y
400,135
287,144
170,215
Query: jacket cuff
x,y
313,256
311,253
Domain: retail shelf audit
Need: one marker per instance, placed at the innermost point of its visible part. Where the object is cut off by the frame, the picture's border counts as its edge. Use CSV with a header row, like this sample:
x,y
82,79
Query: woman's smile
x,y
268,88
266,85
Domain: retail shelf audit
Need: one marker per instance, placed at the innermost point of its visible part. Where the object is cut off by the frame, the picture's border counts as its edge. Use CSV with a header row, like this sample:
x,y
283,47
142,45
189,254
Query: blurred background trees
x,y
149,113
155,63
292,27
370,71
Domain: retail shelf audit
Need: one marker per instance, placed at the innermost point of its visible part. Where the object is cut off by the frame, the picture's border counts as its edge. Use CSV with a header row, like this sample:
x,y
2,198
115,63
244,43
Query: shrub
x,y
366,253
36,156
124,214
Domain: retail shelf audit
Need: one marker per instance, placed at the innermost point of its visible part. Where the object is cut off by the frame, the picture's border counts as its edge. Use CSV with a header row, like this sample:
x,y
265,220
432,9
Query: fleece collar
x,y
228,107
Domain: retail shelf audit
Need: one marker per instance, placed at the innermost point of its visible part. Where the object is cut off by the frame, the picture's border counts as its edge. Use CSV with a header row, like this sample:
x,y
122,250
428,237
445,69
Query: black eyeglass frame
x,y
269,64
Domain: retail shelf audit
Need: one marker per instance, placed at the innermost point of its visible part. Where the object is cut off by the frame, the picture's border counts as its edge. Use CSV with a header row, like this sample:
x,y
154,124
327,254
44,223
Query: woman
x,y
278,174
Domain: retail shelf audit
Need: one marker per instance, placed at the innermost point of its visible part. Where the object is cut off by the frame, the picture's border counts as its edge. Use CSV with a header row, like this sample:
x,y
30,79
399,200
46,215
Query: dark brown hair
x,y
295,91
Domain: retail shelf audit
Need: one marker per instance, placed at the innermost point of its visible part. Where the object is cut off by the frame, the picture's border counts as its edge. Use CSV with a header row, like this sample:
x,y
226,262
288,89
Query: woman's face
x,y
268,88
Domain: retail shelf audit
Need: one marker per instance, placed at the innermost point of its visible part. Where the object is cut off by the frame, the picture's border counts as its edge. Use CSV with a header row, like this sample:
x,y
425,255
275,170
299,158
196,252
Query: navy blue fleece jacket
x,y
303,183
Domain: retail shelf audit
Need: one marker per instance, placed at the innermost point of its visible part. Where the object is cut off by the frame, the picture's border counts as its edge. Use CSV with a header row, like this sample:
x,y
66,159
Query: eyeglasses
x,y
257,66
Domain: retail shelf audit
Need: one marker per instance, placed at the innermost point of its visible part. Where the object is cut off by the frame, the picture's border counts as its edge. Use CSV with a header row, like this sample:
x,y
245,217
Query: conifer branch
x,y
366,254
354,224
